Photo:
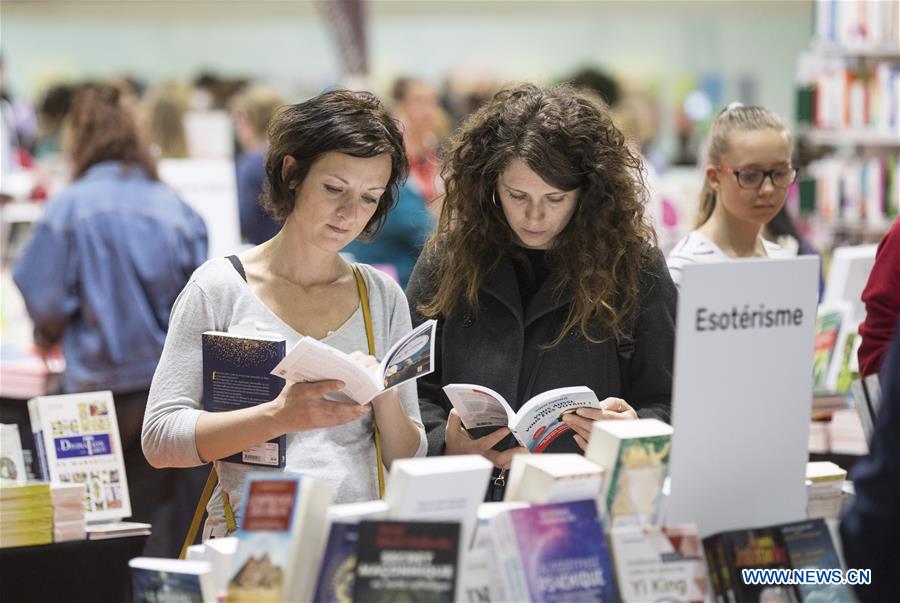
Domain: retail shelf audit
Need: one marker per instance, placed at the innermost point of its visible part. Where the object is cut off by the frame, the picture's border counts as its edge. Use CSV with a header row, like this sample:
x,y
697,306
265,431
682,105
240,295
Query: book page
x,y
411,357
312,360
479,406
539,421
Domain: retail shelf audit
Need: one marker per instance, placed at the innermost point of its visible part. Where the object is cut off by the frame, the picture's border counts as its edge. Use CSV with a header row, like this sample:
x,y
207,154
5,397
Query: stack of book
x,y
824,487
846,433
26,516
794,546
68,512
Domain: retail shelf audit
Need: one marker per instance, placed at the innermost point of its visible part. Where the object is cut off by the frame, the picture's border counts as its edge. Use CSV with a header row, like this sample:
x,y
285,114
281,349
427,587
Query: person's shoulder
x,y
216,275
380,284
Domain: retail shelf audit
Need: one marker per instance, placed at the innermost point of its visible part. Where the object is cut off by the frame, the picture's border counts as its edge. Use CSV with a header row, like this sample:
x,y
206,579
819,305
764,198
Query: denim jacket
x,y
102,270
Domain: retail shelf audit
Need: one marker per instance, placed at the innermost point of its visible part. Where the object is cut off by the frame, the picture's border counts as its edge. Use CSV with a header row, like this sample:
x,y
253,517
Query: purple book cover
x,y
564,552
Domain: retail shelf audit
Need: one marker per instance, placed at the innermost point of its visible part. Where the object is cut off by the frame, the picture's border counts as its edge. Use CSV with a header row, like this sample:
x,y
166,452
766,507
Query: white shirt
x,y
697,248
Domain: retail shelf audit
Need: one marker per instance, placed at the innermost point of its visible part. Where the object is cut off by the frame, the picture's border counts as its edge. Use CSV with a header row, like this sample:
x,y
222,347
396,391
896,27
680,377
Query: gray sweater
x,y
217,299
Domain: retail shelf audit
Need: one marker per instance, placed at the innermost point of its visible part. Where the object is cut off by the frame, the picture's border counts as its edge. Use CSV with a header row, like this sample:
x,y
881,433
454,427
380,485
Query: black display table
x,y
92,571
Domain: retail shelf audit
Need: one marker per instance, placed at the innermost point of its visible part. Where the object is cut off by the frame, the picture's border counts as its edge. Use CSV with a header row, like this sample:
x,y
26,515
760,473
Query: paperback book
x,y
12,461
237,374
77,441
336,576
554,553
656,563
545,478
406,561
409,358
535,425
155,579
280,538
635,455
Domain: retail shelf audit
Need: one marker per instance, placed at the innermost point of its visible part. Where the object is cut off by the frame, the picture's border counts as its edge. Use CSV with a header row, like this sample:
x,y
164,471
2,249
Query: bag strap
x,y
236,262
370,338
213,479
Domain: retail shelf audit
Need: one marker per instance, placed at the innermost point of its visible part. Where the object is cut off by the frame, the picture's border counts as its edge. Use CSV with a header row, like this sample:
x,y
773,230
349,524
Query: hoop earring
x,y
494,198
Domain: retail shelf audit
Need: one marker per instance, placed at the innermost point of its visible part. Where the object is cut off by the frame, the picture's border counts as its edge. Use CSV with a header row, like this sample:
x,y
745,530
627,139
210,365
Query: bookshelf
x,y
848,115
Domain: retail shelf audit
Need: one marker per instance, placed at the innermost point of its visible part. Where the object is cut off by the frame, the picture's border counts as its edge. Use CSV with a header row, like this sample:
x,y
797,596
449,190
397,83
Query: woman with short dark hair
x,y
333,166
543,272
100,275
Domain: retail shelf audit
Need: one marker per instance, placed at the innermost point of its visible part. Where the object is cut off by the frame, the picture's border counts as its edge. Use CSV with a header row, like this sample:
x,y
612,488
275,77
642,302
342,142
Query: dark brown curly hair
x,y
569,140
353,123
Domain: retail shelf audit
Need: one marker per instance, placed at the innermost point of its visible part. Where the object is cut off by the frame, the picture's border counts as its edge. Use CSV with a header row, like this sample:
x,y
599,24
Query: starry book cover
x,y
237,374
555,552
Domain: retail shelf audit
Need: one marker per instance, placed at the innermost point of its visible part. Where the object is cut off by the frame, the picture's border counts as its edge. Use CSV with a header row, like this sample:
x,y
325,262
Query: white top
x,y
217,299
697,248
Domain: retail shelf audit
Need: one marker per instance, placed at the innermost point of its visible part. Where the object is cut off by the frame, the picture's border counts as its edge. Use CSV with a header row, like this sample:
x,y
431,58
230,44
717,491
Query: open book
x,y
409,358
537,424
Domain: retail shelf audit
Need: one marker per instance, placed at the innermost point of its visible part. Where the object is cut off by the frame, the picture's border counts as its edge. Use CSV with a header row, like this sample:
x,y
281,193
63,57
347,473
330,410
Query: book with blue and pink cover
x,y
554,552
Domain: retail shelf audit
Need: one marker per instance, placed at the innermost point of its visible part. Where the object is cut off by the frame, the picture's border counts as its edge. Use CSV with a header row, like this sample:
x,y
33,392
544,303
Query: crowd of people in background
x,y
504,196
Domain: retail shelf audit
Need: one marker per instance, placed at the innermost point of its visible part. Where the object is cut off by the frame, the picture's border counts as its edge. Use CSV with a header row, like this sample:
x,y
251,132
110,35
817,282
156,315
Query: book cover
x,y
155,580
12,462
237,374
555,552
636,457
760,548
336,574
659,564
828,325
536,425
809,546
77,437
280,538
406,561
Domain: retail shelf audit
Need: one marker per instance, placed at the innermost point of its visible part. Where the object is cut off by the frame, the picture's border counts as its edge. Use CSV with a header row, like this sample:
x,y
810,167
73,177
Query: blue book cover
x,y
810,546
335,584
157,586
563,552
237,374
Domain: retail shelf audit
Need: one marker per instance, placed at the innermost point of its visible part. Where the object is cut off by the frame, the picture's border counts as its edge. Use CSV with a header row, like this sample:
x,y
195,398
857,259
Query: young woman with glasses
x,y
748,174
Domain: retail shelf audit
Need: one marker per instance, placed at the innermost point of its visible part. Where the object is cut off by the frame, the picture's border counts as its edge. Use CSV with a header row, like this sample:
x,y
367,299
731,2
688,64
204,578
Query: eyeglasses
x,y
753,179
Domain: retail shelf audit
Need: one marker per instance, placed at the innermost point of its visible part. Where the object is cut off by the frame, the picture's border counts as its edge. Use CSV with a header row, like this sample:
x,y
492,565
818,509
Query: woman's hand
x,y
581,421
458,441
301,406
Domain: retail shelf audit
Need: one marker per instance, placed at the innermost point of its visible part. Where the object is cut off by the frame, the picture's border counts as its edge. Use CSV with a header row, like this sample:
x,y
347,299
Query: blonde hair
x,y
258,104
735,117
163,120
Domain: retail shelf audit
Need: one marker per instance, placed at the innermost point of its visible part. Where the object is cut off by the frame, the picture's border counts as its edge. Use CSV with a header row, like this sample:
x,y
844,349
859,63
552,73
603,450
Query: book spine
x,y
506,549
40,451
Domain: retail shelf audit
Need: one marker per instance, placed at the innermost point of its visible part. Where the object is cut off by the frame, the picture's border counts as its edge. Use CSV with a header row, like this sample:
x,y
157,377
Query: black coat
x,y
491,345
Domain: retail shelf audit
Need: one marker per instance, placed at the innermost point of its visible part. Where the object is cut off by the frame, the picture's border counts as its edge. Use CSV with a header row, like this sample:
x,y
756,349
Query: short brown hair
x,y
101,129
341,121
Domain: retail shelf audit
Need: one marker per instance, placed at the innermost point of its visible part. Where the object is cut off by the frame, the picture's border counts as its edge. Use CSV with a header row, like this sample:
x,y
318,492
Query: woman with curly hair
x,y
543,272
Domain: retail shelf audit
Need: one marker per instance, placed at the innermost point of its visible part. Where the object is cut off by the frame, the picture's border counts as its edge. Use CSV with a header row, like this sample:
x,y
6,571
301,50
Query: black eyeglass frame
x,y
770,174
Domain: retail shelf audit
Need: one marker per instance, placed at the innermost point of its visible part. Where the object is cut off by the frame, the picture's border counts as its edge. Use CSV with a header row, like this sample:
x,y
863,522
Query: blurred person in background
x,y
415,104
543,272
782,230
100,275
882,300
251,111
162,120
748,173
52,111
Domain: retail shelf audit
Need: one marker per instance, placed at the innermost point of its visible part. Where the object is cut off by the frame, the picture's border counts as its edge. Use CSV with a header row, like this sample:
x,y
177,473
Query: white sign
x,y
742,393
209,186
